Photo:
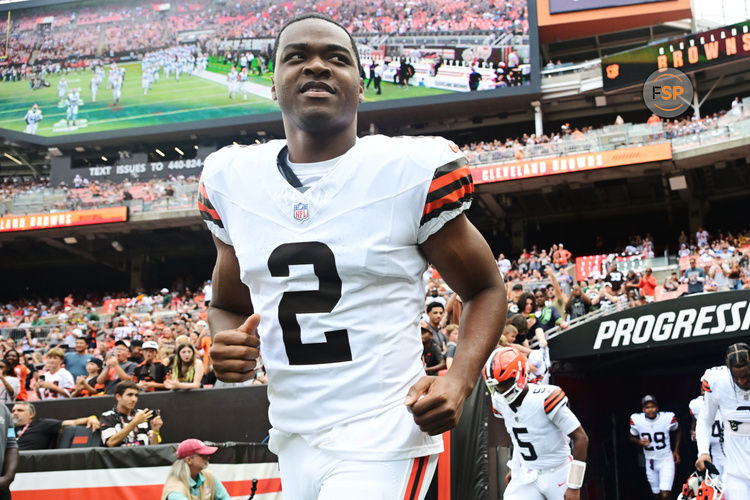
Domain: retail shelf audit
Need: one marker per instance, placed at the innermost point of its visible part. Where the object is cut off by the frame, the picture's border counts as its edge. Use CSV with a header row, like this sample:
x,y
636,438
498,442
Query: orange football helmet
x,y
506,363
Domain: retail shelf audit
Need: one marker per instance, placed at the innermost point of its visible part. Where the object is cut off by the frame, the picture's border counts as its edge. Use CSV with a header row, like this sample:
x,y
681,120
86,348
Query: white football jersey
x,y
335,273
696,405
539,427
656,430
722,394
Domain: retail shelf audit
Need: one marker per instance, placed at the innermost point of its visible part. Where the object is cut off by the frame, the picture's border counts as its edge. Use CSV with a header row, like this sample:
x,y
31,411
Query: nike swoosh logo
x,y
561,484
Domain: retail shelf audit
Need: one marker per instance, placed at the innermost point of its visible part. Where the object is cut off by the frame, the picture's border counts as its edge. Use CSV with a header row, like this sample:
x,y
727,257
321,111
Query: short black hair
x,y
738,355
433,305
124,386
323,17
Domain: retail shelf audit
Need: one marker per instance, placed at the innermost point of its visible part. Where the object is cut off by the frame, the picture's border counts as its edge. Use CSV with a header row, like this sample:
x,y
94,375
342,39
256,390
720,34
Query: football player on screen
x,y
651,430
727,390
541,426
322,240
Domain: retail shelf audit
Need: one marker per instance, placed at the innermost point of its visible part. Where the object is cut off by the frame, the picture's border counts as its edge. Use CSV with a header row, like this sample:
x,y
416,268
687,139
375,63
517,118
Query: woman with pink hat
x,y
189,478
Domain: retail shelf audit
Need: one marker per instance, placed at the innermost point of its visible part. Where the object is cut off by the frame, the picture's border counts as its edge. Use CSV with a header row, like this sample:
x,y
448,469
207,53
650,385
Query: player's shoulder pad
x,y
429,152
634,417
553,395
223,159
712,376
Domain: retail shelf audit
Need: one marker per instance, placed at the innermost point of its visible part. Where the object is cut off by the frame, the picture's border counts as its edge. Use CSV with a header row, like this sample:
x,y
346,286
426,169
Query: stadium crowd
x,y
53,35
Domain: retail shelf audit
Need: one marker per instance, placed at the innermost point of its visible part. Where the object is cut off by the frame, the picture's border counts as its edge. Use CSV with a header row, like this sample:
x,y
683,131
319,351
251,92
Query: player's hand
x,y
571,494
142,416
676,457
507,478
436,403
235,352
645,442
700,464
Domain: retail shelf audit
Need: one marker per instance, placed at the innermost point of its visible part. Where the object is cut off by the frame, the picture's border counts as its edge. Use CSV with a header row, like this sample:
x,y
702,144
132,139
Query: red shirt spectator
x,y
648,285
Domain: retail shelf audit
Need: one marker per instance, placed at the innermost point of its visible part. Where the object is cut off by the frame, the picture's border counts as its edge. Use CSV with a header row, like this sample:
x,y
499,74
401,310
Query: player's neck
x,y
312,148
517,403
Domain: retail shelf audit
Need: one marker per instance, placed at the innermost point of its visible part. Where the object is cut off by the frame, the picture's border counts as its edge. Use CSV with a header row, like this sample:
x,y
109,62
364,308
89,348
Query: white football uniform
x,y
335,274
722,394
717,432
539,429
659,460
62,379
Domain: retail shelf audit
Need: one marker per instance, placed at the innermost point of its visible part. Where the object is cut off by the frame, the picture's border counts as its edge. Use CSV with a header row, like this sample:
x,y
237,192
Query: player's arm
x,y
677,441
703,427
235,341
466,263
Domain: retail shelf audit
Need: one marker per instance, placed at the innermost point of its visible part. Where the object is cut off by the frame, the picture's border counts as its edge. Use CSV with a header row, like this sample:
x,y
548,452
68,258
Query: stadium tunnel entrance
x,y
605,389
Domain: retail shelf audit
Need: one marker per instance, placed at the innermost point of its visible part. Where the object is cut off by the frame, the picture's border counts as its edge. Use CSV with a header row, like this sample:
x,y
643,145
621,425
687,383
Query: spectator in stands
x,y
8,453
21,371
719,274
632,283
547,316
607,298
124,425
189,476
75,362
554,293
150,374
615,279
694,277
55,382
647,285
701,237
451,331
561,257
503,264
186,371
42,434
432,356
135,351
578,304
87,385
117,368
10,386
671,283
435,313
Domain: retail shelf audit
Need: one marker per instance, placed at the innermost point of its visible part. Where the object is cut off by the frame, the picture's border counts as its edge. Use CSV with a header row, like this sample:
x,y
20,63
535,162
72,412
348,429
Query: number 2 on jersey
x,y
336,348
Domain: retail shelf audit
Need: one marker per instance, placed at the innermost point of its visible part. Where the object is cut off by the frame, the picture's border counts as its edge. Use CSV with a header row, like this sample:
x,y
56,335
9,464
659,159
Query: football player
x,y
32,118
717,430
727,389
96,80
233,82
321,240
74,100
651,430
62,91
541,426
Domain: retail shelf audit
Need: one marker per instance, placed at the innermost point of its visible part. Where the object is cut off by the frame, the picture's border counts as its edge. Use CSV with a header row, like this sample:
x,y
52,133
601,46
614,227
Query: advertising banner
x,y
697,318
526,169
63,219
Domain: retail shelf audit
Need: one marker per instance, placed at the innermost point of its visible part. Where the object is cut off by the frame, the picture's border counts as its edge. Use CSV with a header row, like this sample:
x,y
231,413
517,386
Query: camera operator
x,y
126,426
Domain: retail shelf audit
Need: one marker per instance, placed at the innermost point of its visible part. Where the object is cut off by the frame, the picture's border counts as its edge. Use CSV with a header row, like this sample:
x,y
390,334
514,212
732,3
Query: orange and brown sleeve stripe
x,y
553,400
207,210
451,187
706,387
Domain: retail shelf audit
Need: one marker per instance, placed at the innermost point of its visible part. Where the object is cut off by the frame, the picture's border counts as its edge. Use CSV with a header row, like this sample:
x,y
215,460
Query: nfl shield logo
x,y
300,211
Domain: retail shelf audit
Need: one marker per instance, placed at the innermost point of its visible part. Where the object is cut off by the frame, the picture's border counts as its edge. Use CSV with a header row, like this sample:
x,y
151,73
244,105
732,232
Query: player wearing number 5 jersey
x,y
727,391
651,430
541,427
325,237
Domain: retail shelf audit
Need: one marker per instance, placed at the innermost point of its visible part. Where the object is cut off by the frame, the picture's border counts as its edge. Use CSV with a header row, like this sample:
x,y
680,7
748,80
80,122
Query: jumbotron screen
x,y
103,66
560,6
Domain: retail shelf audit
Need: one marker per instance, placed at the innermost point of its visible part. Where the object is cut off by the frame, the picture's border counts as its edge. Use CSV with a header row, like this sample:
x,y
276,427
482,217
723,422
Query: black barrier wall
x,y
231,414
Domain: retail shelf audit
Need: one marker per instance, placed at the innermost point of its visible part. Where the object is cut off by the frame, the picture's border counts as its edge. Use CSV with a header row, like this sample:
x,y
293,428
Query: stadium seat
x,y
79,437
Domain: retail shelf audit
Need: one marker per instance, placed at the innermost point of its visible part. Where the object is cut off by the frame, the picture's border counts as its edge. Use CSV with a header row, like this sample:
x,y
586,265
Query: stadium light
x,y
196,147
104,158
159,152
70,240
179,151
13,159
117,246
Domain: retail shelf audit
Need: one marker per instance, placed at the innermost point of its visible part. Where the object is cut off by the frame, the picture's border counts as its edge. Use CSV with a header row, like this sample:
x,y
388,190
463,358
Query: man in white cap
x,y
189,477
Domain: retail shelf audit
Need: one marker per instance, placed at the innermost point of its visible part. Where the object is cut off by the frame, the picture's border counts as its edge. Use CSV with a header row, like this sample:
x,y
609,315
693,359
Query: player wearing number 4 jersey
x,y
541,427
727,390
325,237
651,430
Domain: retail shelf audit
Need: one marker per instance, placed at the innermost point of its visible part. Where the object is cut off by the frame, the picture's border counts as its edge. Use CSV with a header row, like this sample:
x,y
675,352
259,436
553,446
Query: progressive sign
x,y
690,319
